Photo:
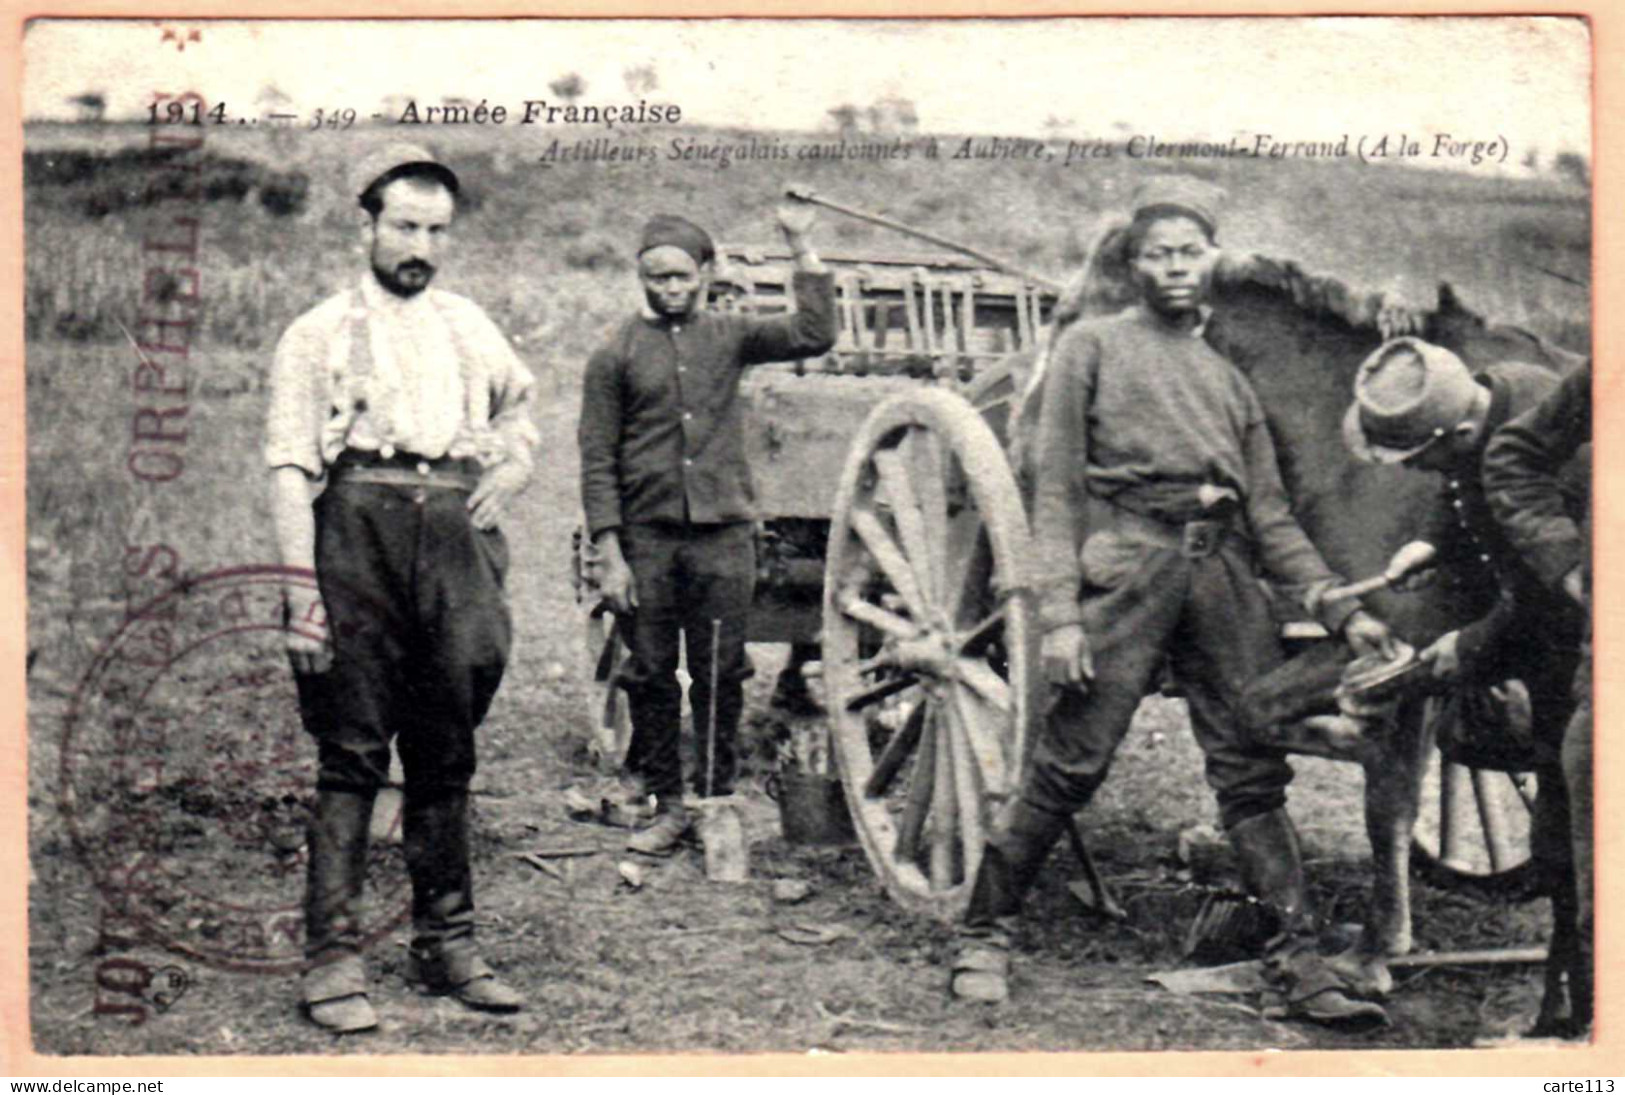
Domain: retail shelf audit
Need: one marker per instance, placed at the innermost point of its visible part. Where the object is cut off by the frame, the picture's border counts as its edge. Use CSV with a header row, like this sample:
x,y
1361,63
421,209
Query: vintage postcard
x,y
741,536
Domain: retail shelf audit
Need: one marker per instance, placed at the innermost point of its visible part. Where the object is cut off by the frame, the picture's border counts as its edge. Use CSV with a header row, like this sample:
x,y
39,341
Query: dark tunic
x,y
662,431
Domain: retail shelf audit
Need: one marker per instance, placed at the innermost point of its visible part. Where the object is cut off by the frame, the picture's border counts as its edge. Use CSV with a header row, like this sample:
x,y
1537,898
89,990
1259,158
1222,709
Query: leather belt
x,y
1176,512
404,472
1199,539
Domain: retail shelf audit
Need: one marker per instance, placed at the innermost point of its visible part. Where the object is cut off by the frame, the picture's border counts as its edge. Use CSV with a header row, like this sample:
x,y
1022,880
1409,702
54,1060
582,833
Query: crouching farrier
x,y
411,406
1158,498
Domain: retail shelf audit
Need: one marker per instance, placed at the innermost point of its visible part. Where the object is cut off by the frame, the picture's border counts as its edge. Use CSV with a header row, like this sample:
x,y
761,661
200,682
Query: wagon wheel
x,y
926,605
607,711
1473,827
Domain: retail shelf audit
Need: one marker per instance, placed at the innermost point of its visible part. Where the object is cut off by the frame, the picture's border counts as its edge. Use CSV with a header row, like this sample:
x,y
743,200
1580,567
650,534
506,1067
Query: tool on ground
x,y
721,831
1415,556
807,194
1096,896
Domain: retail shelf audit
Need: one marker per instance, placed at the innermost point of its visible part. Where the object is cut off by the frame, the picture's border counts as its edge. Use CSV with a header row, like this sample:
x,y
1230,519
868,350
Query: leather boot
x,y
1326,990
1010,862
672,822
1271,865
334,986
443,955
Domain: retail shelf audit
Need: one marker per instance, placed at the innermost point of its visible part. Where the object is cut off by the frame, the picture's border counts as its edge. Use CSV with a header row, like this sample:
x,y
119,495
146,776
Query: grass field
x,y
679,966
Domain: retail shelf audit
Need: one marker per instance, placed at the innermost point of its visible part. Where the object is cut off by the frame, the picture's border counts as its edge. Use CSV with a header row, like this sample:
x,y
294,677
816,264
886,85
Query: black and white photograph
x,y
741,536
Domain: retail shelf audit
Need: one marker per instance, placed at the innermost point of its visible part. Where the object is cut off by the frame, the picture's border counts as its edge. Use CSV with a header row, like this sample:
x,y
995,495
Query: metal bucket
x,y
812,808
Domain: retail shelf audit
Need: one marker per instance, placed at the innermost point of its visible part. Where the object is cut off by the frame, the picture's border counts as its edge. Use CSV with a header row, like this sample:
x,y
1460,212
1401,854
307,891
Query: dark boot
x,y
1010,862
444,958
672,822
1326,990
1271,865
334,987
654,754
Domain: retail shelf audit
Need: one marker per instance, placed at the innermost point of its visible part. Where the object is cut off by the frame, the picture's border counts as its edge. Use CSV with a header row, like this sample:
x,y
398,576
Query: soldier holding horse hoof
x,y
1509,670
1158,498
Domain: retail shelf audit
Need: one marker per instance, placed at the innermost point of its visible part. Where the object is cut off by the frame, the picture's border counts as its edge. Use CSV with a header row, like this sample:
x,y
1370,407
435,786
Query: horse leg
x,y
1393,785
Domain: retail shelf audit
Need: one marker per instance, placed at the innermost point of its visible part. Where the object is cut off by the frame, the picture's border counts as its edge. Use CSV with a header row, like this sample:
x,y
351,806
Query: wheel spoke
x,y
988,684
920,787
1454,787
875,693
930,485
968,784
876,617
966,640
925,555
944,809
968,563
891,559
1497,842
983,728
896,753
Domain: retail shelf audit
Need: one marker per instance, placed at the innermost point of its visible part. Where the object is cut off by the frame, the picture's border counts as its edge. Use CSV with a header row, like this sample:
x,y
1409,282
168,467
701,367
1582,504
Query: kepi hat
x,y
1408,395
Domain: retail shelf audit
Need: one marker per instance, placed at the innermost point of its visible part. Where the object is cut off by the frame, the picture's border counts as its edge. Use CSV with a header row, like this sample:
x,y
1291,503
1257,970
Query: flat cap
x,y
1180,193
390,159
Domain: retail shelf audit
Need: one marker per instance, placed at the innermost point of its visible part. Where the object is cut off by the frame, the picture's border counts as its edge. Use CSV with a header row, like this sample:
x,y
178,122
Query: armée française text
x,y
542,112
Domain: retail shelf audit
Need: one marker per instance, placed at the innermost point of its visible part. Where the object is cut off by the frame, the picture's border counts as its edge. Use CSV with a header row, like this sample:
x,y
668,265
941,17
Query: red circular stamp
x,y
186,775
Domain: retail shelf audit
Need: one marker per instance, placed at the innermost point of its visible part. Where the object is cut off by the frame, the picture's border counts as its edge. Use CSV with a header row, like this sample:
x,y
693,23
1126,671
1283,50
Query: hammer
x,y
1414,556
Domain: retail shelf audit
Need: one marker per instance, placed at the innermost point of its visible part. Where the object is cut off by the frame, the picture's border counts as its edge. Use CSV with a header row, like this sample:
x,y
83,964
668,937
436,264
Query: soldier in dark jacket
x,y
1513,664
668,500
1530,473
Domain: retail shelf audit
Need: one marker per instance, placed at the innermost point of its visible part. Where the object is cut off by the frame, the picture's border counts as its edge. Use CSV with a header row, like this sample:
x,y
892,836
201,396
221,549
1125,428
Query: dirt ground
x,y
681,965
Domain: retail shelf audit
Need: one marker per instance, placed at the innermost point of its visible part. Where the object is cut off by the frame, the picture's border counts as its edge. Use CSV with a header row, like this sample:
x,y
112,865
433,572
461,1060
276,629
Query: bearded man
x,y
409,406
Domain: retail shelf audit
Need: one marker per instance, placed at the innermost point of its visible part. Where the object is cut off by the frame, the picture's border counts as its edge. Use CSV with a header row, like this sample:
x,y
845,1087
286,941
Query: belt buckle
x,y
1201,538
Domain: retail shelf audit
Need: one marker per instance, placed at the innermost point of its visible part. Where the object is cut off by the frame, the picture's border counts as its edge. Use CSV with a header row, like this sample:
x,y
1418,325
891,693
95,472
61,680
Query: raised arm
x,y
809,330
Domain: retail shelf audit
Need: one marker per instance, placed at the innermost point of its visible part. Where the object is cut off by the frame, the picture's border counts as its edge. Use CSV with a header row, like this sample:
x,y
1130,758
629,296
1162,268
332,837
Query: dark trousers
x,y
1144,601
421,635
1542,646
687,576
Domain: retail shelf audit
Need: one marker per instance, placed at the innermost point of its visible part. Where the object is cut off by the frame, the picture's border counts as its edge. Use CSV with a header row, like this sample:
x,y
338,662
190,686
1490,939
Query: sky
x,y
1524,79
